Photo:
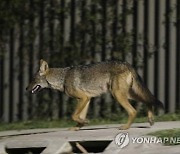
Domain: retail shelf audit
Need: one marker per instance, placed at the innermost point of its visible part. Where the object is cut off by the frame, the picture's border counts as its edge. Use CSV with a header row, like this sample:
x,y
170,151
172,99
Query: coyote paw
x,y
86,121
82,121
77,127
124,127
74,128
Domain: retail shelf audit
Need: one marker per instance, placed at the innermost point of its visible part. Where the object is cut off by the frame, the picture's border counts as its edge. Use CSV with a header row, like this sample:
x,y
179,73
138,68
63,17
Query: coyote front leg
x,y
80,113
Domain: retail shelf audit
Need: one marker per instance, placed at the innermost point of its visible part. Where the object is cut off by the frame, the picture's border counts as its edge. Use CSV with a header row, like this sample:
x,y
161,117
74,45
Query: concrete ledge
x,y
57,141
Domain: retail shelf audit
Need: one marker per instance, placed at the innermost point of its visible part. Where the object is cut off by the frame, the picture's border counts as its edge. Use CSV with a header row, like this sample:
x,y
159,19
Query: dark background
x,y
146,33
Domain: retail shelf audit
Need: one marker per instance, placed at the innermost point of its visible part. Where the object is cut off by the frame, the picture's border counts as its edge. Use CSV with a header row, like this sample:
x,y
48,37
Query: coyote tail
x,y
142,93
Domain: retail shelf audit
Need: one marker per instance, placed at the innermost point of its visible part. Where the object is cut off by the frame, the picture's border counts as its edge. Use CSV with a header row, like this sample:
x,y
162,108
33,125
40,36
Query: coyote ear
x,y
43,67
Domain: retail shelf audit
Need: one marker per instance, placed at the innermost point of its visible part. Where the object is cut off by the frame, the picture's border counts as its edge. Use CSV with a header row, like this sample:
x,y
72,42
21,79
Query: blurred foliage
x,y
11,11
96,31
85,35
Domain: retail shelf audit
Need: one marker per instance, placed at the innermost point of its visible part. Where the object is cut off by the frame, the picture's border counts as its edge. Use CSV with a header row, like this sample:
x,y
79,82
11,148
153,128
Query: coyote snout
x,y
87,81
34,89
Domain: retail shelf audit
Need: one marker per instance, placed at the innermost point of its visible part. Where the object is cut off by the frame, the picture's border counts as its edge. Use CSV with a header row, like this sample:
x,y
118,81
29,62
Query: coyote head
x,y
39,82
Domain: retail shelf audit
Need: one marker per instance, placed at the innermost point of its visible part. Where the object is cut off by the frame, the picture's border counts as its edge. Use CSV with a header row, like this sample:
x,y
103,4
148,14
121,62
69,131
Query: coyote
x,y
86,81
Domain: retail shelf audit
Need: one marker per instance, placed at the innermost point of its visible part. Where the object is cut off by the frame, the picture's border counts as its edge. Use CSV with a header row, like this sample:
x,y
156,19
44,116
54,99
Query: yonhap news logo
x,y
123,139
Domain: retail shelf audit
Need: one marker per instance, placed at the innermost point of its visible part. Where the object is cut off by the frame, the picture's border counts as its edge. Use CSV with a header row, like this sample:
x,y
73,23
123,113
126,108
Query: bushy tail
x,y
142,93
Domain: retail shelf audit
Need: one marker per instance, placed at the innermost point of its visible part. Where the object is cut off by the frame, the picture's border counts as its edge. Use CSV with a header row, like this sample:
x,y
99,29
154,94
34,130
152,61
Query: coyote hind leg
x,y
150,108
150,114
123,100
